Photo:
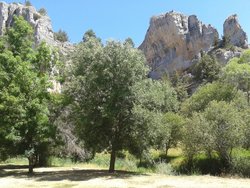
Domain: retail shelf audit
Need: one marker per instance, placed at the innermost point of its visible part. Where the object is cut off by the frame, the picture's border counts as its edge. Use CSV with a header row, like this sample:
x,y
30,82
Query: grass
x,y
173,163
19,160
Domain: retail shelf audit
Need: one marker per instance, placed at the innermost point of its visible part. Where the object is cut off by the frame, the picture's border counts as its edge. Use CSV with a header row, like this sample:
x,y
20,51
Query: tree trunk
x,y
166,149
31,165
248,97
112,161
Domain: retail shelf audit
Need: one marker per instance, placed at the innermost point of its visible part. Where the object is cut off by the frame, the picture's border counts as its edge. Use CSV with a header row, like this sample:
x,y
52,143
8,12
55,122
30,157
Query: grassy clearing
x,y
65,173
159,163
58,177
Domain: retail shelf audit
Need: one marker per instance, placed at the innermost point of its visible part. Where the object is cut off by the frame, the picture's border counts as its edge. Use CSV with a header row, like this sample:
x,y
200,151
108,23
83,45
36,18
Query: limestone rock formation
x,y
173,40
42,30
41,24
234,33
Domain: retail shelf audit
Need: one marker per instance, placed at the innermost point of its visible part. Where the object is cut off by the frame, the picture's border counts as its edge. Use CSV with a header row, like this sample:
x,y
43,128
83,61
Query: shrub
x,y
61,36
164,168
241,166
42,11
27,3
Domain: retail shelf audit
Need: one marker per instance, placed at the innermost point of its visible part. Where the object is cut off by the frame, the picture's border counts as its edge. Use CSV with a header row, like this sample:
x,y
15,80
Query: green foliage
x,y
170,130
180,84
24,97
207,69
219,128
19,39
163,168
245,57
42,11
226,128
61,36
153,100
43,59
102,92
237,73
129,41
27,3
217,91
114,99
225,42
241,162
88,35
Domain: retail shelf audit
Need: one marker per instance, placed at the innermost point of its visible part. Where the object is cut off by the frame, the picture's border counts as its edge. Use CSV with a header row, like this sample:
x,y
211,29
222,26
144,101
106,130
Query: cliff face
x,y
41,24
174,40
234,33
42,31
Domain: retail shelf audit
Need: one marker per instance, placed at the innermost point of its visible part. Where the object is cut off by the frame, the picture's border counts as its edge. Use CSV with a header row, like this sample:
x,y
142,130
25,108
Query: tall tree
x,y
153,99
24,93
103,91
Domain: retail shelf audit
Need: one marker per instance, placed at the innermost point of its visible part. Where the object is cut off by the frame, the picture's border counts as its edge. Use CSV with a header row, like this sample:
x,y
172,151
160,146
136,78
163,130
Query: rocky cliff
x,y
42,31
234,33
173,41
41,24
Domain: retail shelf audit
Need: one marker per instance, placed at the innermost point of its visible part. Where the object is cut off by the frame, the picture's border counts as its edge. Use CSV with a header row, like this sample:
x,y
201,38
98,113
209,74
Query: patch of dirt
x,y
89,178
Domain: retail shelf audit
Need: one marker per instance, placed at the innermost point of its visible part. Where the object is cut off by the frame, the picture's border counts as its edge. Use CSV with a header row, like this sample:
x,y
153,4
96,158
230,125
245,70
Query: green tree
x,y
193,136
42,11
152,100
181,83
110,91
237,72
24,95
129,41
61,36
19,38
27,3
102,91
88,34
170,131
207,69
218,91
220,127
226,128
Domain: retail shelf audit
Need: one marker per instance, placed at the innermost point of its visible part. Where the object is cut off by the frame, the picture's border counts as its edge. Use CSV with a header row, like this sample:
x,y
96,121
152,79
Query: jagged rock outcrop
x,y
234,33
173,40
42,30
41,24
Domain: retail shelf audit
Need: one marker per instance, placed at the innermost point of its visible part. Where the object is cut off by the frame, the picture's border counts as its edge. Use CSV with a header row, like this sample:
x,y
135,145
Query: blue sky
x,y
119,19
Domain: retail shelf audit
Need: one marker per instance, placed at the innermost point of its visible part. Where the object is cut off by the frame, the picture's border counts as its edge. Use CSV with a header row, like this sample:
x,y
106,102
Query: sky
x,y
120,19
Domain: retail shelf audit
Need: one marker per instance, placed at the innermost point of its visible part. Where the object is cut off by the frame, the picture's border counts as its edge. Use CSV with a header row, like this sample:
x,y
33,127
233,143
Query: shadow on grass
x,y
67,174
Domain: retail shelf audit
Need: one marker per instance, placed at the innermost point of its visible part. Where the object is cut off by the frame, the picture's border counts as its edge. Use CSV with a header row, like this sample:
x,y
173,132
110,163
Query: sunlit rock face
x,y
234,32
41,23
173,40
42,29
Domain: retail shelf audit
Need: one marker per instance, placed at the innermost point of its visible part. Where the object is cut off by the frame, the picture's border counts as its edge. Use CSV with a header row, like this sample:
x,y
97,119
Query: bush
x,y
27,3
61,36
241,166
201,164
42,11
164,168
241,162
